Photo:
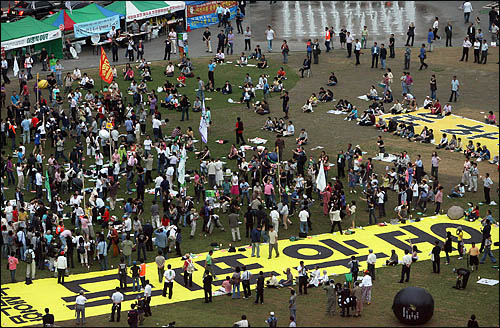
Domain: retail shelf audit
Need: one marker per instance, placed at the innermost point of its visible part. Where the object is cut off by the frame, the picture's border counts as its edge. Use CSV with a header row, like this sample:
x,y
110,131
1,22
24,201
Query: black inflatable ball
x,y
413,306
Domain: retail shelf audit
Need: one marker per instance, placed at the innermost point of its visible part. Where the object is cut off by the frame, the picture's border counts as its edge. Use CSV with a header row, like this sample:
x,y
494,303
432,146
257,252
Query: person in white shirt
x,y
435,27
366,288
173,39
467,6
242,323
302,270
61,265
303,217
370,260
147,146
80,308
477,50
270,37
117,299
169,282
405,270
275,218
147,298
357,50
77,75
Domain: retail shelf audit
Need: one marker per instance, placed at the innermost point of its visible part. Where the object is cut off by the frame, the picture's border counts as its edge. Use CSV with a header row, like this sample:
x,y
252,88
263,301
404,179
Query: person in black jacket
x,y
391,46
340,164
462,278
260,288
306,65
383,55
448,31
436,262
207,286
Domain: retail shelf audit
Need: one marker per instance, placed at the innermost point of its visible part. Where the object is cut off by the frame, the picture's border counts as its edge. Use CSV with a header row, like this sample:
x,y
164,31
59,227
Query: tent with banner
x,y
28,32
89,20
145,9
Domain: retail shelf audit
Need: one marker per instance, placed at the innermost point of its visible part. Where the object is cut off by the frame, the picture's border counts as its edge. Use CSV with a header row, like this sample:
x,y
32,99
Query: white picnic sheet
x,y
258,141
388,159
317,147
364,97
336,112
489,282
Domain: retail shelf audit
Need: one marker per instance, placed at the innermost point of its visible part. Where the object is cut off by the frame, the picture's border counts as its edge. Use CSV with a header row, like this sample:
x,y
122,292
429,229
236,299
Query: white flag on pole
x,y
16,67
68,5
181,171
203,124
321,179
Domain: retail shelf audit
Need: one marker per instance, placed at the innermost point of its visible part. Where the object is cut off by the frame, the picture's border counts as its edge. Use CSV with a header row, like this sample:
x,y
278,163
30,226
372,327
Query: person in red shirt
x,y
437,109
281,73
239,131
182,80
13,261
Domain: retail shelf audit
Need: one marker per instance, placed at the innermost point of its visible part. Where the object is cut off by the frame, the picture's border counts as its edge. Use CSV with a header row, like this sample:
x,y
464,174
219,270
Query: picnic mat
x,y
489,282
462,127
23,305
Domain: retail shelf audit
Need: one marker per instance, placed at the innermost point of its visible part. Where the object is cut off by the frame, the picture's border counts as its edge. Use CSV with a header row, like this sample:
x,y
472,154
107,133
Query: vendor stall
x,y
139,10
30,33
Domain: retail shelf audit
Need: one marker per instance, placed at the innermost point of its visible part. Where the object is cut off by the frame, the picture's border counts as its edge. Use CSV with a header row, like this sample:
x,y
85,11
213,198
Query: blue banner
x,y
207,20
96,27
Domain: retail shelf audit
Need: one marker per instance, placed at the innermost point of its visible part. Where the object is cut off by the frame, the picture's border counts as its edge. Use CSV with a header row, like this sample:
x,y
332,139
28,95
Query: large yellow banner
x,y
462,127
23,305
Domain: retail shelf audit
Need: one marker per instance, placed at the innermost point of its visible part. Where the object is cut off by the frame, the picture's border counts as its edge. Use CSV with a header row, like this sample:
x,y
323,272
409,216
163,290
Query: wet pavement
x,y
297,21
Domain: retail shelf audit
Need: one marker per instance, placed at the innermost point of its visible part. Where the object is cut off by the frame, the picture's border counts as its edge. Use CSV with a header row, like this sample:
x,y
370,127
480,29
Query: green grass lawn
x,y
452,307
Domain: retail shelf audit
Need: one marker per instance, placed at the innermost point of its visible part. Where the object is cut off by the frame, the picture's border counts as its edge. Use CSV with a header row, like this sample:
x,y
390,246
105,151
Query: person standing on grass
x,y
260,289
455,85
331,295
207,286
292,304
487,183
487,251
406,266
239,131
438,199
422,56
302,270
13,262
366,288
436,257
80,308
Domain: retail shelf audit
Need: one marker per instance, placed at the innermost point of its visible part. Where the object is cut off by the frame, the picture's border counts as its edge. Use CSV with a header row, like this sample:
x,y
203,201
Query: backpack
x,y
29,257
386,198
81,249
355,266
273,323
132,318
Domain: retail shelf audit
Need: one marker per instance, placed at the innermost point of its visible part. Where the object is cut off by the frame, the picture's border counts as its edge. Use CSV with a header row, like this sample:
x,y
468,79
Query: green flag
x,y
47,187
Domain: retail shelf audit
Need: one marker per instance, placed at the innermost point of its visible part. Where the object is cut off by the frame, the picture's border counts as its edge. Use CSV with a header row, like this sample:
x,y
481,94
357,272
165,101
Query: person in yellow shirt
x,y
460,246
474,256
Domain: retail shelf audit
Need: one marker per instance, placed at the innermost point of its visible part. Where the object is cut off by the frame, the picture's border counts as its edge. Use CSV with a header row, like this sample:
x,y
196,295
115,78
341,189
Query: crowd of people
x,y
123,148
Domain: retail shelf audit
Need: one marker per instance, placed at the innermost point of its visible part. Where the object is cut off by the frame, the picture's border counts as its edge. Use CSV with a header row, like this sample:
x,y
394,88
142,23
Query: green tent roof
x,y
89,13
120,6
23,28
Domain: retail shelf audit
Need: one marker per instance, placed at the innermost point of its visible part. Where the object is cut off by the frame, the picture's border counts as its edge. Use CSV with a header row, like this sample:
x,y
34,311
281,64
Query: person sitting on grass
x,y
87,82
472,213
146,73
281,75
289,279
233,153
397,108
219,57
344,105
262,62
142,87
197,105
353,114
382,124
491,118
427,102
290,130
447,109
368,119
332,80
262,107
484,154
225,288
257,53
308,107
186,70
181,80
443,143
306,66
458,191
128,73
243,61
452,144
227,88
436,108
169,70
314,100
388,97
277,85
184,62
302,138
269,124
372,94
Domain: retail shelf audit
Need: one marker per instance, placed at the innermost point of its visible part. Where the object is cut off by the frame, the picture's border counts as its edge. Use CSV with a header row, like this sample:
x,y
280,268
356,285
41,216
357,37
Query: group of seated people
x,y
425,136
481,153
279,126
325,95
87,82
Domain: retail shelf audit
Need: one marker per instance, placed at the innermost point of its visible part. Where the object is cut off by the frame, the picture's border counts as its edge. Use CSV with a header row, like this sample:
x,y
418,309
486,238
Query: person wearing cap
x,y
331,294
188,271
80,308
61,265
272,321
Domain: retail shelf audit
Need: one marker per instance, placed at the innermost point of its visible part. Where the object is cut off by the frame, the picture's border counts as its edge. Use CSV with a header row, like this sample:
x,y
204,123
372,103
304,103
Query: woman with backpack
x,y
82,249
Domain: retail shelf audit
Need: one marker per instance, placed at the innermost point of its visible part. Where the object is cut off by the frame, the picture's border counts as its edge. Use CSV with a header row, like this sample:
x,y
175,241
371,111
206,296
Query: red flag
x,y
104,68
